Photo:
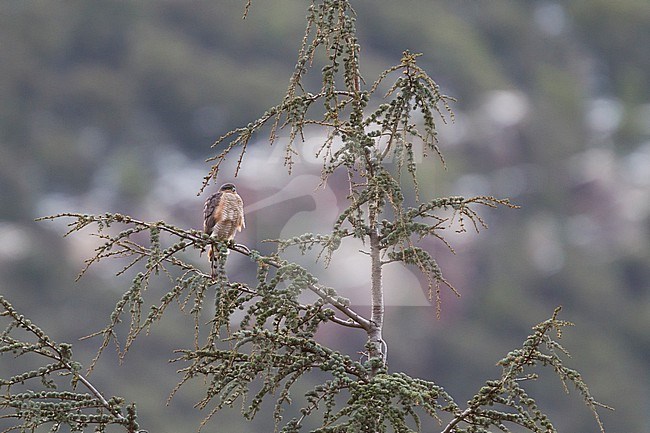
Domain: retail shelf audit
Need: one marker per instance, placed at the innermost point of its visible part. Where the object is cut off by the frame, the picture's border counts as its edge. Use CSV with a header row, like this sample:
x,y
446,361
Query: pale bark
x,y
375,340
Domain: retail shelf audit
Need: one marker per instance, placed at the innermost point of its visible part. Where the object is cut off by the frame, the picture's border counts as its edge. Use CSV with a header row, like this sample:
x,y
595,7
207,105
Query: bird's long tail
x,y
218,258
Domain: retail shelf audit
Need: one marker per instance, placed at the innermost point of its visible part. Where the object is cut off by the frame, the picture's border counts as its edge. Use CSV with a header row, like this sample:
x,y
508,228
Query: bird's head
x,y
227,187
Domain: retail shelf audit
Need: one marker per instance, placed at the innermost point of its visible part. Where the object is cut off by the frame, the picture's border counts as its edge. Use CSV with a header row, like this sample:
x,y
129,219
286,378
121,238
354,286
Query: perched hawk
x,y
223,215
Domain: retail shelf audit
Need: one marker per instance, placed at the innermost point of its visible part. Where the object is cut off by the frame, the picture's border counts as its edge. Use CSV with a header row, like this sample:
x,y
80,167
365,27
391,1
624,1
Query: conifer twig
x,y
57,353
318,290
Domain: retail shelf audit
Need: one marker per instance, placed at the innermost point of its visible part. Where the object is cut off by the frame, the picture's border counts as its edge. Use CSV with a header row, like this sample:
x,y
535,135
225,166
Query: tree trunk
x,y
376,345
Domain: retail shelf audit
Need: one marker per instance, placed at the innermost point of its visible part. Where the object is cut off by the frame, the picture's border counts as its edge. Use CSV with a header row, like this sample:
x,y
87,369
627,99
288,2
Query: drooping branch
x,y
539,349
51,406
327,294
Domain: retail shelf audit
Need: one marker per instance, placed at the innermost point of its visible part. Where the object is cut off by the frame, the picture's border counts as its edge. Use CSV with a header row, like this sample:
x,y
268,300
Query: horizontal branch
x,y
200,239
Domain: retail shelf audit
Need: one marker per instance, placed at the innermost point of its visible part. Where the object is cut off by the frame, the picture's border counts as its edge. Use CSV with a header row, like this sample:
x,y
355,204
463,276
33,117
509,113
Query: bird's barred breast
x,y
231,207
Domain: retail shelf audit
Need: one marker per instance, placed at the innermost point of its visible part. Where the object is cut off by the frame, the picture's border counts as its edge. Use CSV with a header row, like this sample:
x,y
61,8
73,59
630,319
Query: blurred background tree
x,y
113,105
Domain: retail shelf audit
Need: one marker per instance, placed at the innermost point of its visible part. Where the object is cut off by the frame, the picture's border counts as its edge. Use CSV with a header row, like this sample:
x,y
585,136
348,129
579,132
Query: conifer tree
x,y
373,131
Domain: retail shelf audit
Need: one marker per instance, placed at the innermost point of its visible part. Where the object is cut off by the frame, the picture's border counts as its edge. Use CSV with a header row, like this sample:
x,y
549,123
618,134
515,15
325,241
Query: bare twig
x,y
349,323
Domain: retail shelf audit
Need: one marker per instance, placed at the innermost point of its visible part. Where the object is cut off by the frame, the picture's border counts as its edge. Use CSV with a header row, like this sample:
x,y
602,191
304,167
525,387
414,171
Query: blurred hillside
x,y
113,106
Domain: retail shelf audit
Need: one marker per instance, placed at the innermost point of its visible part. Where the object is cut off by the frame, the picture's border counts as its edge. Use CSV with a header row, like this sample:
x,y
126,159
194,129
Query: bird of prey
x,y
223,216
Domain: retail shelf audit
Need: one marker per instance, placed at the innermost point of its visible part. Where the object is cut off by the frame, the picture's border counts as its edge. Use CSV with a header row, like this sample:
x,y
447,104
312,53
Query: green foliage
x,y
266,352
515,405
31,408
367,142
